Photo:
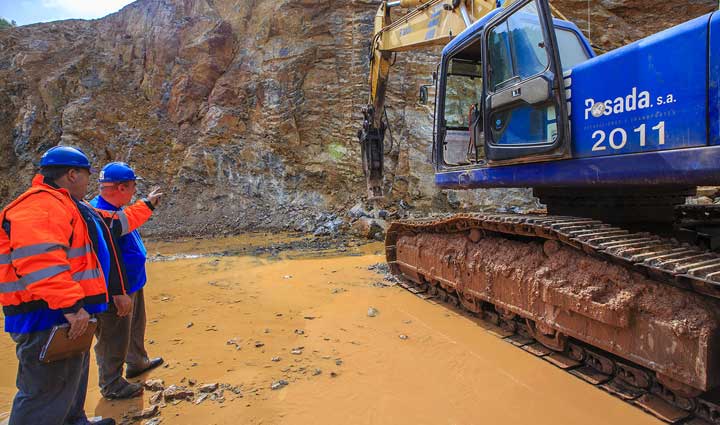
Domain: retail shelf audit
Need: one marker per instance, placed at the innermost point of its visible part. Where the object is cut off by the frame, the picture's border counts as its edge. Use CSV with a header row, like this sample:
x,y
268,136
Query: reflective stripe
x,y
18,285
30,250
31,278
79,252
124,223
5,259
86,274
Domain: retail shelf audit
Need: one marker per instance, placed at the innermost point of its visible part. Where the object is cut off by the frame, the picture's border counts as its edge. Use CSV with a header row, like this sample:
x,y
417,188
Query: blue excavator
x,y
618,281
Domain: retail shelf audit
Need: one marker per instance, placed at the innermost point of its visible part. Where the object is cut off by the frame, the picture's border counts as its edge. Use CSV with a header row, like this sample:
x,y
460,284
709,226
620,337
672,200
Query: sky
x,y
26,12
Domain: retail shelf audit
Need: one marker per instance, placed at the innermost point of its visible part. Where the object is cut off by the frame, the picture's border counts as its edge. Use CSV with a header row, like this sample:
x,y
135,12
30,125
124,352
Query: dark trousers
x,y
48,393
120,340
137,357
113,337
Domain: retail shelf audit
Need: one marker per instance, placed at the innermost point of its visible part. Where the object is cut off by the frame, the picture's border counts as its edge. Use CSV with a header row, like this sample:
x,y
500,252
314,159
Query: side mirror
x,y
423,95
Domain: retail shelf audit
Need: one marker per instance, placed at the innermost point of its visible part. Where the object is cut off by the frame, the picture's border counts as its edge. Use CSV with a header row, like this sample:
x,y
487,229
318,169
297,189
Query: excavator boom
x,y
429,23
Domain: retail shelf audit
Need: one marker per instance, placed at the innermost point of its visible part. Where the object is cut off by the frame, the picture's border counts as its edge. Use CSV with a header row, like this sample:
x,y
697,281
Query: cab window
x,y
461,111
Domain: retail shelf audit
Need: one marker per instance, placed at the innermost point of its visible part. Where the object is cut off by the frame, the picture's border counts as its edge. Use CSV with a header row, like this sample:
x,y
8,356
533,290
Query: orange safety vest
x,y
47,260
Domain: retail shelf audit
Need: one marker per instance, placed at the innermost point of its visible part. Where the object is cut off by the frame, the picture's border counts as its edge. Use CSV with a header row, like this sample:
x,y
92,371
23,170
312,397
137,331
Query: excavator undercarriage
x,y
618,283
634,313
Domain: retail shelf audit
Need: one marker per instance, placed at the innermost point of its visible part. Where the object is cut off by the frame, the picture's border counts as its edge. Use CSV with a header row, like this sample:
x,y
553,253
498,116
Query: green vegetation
x,y
337,151
4,23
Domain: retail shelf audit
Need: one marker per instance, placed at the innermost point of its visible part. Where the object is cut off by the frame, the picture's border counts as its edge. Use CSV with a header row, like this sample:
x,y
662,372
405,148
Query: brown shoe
x,y
128,391
151,364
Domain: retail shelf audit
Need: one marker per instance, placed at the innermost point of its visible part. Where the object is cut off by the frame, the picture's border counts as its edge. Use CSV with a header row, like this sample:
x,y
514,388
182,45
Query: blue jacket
x,y
133,251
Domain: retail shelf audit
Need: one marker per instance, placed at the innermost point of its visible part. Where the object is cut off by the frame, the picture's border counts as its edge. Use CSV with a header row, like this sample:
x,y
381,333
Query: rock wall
x,y
245,111
614,23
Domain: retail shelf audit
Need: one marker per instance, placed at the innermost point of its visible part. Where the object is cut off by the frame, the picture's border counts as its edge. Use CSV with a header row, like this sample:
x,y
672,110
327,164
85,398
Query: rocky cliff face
x,y
614,23
245,111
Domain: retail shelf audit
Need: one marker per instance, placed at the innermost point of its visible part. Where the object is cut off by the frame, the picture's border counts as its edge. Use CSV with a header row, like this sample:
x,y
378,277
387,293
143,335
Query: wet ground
x,y
257,310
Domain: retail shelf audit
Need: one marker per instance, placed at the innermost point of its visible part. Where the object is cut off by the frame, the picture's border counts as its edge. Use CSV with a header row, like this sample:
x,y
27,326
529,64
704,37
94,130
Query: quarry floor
x,y
231,311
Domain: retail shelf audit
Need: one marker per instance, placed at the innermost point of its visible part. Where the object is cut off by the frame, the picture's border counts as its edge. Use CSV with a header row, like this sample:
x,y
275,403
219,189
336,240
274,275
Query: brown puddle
x,y
449,370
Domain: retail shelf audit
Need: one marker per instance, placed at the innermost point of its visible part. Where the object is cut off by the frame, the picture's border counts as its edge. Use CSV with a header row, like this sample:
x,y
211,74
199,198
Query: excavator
x,y
618,280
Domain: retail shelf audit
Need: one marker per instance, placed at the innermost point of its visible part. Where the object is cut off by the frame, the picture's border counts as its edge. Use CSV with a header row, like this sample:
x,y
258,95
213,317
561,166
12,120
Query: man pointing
x,y
122,339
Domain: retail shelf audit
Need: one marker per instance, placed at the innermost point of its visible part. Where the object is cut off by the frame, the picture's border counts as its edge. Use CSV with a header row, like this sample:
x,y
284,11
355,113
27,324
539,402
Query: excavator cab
x,y
501,94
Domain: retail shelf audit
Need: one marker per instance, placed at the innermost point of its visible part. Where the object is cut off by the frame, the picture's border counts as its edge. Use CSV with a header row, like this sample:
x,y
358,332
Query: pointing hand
x,y
154,196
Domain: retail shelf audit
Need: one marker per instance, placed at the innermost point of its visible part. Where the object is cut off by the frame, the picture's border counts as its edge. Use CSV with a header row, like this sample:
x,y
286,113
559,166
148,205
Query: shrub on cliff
x,y
4,24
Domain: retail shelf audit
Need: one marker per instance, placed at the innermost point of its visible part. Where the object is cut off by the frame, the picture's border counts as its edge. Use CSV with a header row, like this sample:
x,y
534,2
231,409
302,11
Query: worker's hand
x,y
154,196
123,304
78,323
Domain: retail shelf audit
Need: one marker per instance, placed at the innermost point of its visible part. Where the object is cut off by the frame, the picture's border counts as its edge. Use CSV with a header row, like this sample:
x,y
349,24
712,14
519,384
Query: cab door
x,y
525,114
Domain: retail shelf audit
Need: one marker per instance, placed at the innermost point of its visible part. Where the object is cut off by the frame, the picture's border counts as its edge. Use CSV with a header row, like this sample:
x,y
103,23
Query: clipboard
x,y
59,347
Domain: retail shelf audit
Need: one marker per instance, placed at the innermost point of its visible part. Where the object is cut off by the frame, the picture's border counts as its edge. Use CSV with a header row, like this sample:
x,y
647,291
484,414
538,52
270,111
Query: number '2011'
x,y
618,137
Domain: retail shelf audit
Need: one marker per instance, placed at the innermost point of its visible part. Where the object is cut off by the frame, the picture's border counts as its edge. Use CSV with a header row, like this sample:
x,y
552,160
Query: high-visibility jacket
x,y
132,248
48,264
104,236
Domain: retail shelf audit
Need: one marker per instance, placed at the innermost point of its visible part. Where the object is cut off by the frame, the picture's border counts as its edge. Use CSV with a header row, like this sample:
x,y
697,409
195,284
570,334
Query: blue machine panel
x,y
647,114
714,81
470,33
677,167
649,95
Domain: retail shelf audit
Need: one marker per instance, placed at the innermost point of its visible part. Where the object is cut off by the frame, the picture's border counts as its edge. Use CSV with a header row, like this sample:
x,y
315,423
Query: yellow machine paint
x,y
430,23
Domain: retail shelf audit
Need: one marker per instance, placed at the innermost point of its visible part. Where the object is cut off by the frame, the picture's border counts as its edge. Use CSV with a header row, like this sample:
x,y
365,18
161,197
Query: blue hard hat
x,y
117,172
65,156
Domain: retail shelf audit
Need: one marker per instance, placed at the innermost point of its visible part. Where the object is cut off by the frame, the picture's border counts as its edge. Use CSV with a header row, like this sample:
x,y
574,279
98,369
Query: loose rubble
x,y
384,270
236,342
146,413
278,384
208,388
154,385
175,394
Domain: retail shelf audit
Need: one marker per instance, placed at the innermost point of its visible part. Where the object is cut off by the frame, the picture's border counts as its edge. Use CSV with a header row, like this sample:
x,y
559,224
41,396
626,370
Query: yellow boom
x,y
429,23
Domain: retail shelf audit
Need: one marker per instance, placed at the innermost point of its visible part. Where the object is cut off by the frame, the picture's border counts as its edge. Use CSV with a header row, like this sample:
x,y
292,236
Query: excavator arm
x,y
428,23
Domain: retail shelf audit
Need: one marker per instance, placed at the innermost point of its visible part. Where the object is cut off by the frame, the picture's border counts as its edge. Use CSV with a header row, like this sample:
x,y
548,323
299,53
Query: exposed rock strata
x,y
245,111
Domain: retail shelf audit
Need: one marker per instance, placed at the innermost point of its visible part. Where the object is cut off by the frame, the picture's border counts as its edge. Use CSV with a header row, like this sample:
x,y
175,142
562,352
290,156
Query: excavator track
x,y
667,260
634,314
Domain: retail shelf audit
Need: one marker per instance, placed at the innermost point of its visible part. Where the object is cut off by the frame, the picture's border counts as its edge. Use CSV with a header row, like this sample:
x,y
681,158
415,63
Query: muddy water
x,y
449,370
